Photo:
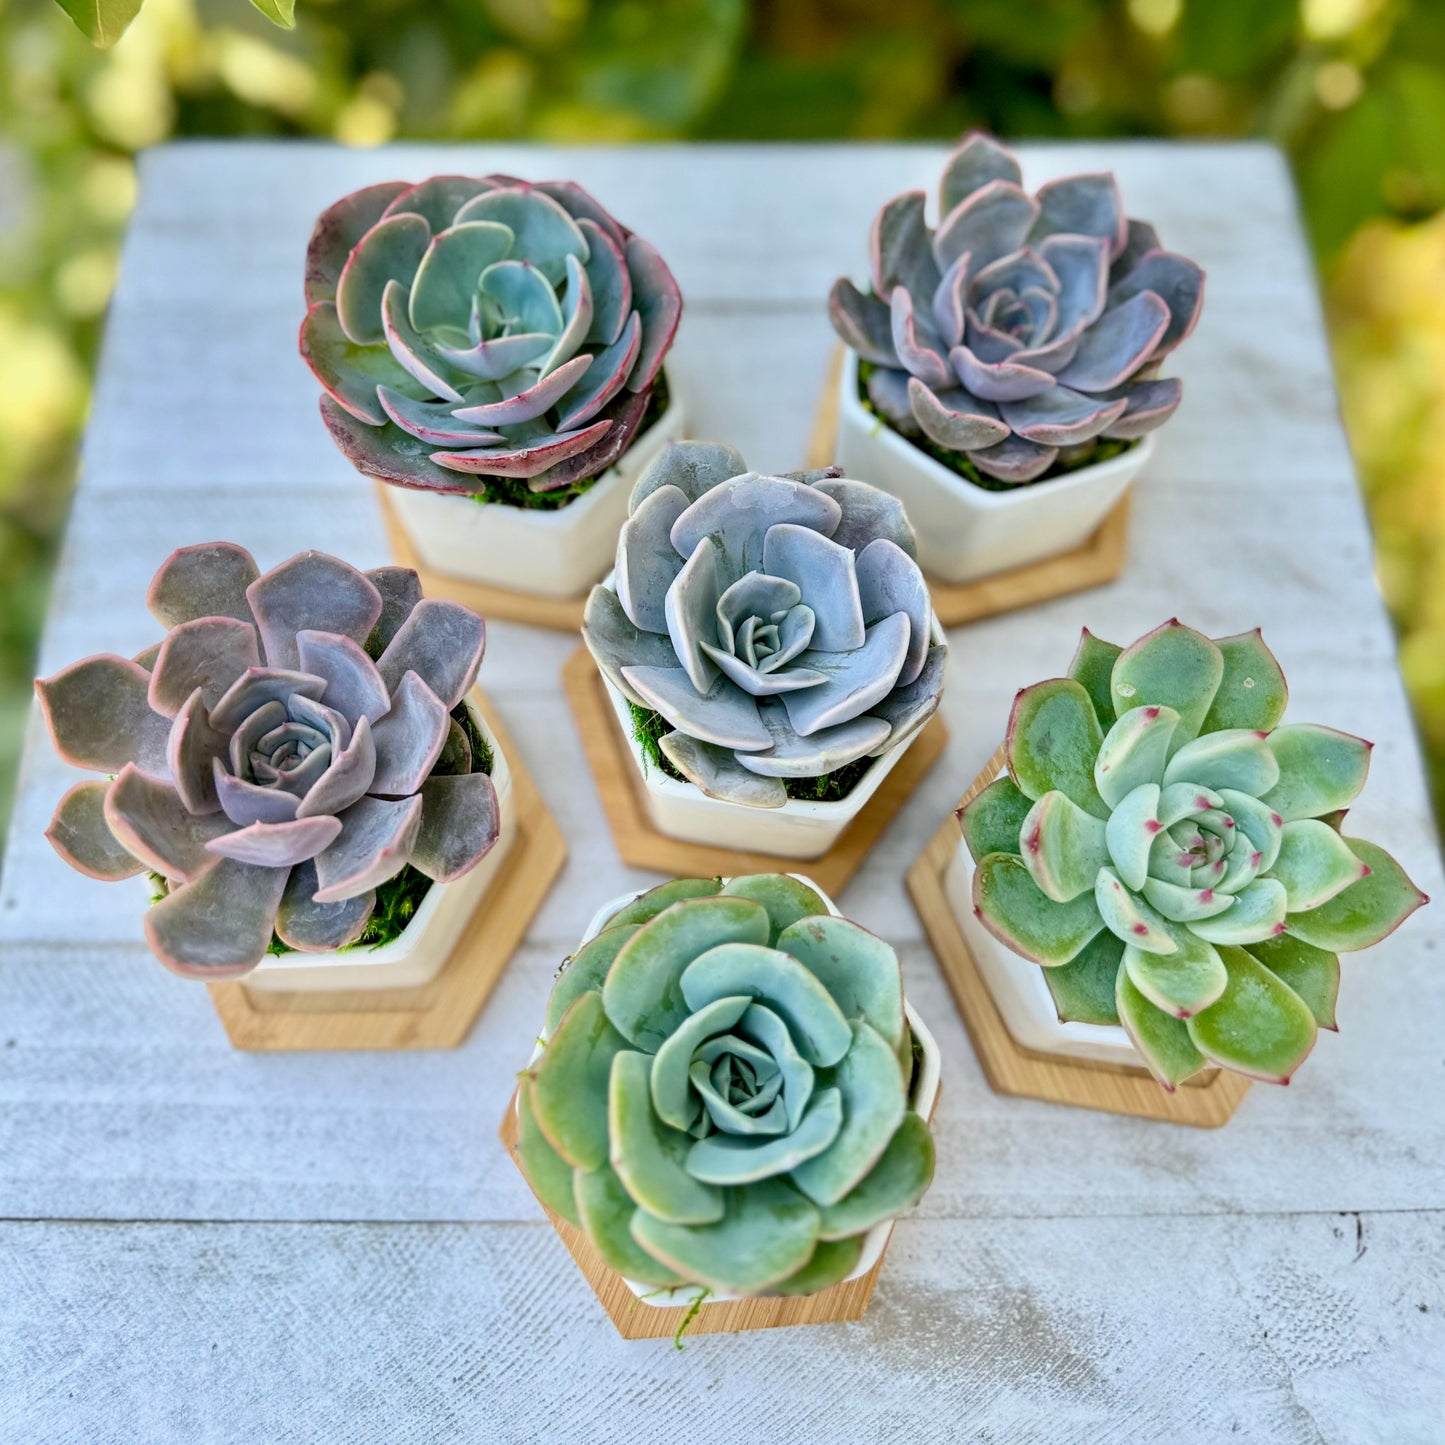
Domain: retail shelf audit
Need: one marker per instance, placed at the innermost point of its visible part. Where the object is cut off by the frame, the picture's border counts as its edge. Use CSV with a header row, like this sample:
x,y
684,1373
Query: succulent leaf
x,y
859,970
569,1083
79,834
1314,864
768,1233
1173,667
646,906
99,715
586,970
786,899
219,925
643,988
1020,914
604,1209
1313,973
1063,847
993,821
1053,738
1365,912
1258,1026
556,1183
205,581
1320,770
1092,668
1180,983
1084,989
1252,693
1164,1042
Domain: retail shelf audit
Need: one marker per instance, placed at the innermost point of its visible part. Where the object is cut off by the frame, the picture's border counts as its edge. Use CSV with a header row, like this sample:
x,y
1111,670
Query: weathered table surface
x,y
202,1244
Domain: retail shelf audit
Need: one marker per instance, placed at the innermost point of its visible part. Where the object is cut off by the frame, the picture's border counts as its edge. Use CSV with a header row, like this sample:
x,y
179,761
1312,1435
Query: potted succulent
x,y
768,646
1002,366
730,1096
1173,855
493,349
297,767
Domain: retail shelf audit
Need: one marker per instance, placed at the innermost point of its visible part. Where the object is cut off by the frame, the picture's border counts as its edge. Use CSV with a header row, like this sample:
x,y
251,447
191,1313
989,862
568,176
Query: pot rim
x,y
821,811
852,413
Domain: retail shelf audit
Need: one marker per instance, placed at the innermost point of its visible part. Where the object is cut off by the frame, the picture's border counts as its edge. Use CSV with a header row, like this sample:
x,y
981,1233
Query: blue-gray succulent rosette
x,y
778,624
723,1096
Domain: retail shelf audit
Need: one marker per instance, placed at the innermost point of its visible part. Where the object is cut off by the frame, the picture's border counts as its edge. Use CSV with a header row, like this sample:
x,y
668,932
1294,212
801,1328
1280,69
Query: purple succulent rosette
x,y
287,748
1022,327
472,329
780,625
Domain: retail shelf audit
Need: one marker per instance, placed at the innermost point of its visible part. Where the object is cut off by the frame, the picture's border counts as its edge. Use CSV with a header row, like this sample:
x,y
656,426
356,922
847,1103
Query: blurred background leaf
x,y
1354,90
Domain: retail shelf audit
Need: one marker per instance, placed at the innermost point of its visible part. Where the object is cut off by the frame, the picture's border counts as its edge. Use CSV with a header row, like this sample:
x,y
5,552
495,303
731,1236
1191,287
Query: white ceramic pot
x,y
549,554
924,1096
1019,990
417,954
800,829
964,531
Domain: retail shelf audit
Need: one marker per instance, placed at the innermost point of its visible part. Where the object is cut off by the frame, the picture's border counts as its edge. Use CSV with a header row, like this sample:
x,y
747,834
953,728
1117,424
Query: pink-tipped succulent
x,y
467,329
285,750
1021,327
1173,856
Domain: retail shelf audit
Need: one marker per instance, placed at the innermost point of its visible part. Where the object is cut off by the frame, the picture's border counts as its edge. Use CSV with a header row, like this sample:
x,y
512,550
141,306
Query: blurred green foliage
x,y
1353,89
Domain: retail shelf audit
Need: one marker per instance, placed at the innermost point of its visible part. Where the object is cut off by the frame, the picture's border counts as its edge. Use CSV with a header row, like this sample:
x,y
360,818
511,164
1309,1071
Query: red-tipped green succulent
x,y
1173,855
1021,325
294,742
468,329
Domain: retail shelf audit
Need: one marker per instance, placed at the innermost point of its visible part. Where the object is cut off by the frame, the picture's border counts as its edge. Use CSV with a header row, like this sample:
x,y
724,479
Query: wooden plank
x,y
643,846
1290,1329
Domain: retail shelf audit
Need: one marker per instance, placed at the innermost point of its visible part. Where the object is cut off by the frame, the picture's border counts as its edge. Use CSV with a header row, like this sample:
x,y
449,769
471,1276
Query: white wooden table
x,y
199,1244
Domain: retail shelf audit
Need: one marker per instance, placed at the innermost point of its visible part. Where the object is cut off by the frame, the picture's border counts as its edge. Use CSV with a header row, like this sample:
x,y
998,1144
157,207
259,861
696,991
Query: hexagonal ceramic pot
x,y
417,954
801,829
921,1100
548,554
964,531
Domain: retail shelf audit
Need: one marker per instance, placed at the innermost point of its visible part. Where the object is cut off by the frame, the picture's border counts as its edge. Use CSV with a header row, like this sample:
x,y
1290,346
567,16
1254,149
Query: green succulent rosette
x,y
1174,856
723,1096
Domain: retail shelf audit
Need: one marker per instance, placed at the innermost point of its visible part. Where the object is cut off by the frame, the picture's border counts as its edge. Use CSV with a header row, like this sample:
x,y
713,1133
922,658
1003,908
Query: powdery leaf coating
x,y
258,791
1172,853
1017,324
415,293
780,625
722,1095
